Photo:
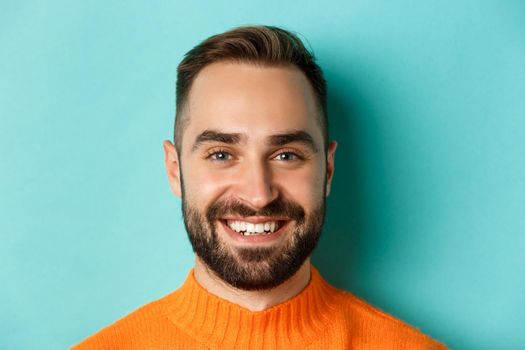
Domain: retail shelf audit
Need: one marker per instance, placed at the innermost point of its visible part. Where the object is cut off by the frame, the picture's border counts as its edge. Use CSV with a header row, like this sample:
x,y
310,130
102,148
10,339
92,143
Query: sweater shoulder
x,y
364,310
369,322
133,330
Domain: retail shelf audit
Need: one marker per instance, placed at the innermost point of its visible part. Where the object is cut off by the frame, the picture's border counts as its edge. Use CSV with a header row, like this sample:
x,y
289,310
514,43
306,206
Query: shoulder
x,y
133,331
372,325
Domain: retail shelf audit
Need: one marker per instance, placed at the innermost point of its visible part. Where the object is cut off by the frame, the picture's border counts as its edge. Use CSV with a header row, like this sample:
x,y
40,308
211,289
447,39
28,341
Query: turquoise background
x,y
427,215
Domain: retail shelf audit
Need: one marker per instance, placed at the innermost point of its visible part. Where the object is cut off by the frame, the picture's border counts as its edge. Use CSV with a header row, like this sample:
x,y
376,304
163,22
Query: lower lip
x,y
263,238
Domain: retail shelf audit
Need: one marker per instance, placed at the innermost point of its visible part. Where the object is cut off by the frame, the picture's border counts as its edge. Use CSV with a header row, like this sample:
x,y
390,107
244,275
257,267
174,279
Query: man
x,y
253,165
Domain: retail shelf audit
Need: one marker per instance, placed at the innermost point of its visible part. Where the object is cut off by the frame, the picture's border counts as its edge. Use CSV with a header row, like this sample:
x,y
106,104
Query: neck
x,y
253,300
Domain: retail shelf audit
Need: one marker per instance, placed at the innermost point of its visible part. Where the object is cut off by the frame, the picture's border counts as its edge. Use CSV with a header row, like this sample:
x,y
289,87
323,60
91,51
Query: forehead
x,y
251,99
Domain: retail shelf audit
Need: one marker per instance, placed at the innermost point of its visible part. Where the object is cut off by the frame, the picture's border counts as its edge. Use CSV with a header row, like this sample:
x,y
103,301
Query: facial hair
x,y
257,268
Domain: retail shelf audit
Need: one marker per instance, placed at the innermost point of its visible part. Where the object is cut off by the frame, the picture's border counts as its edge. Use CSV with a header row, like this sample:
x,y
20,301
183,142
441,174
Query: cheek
x,y
202,185
304,186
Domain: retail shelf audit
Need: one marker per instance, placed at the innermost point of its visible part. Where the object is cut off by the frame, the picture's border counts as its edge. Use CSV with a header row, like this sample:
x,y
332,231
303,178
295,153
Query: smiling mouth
x,y
246,228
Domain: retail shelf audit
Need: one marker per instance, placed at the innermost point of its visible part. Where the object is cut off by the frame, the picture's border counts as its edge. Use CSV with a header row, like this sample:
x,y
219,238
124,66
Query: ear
x,y
171,161
330,159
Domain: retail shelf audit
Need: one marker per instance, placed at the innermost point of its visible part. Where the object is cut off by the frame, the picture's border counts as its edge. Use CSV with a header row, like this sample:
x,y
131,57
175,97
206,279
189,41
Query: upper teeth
x,y
248,228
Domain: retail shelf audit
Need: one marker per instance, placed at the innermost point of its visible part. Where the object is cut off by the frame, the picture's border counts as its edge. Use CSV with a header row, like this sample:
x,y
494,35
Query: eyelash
x,y
296,154
212,153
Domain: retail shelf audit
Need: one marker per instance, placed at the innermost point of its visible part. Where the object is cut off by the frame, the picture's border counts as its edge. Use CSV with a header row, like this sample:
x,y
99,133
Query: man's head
x,y
252,161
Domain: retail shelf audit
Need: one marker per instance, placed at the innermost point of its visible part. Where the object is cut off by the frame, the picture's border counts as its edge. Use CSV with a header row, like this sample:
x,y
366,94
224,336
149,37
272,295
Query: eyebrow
x,y
294,136
299,136
216,136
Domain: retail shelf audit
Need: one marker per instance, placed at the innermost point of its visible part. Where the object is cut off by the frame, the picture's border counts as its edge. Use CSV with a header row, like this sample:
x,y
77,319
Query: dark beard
x,y
259,268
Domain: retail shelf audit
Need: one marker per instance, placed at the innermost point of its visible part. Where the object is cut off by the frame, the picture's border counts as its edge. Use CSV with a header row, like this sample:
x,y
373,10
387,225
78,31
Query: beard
x,y
253,268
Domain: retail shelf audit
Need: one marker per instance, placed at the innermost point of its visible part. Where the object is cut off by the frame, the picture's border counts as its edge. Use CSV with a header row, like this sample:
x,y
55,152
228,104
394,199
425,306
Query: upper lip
x,y
255,219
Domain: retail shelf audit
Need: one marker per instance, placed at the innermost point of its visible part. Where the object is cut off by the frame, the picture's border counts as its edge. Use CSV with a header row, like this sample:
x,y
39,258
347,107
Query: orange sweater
x,y
320,317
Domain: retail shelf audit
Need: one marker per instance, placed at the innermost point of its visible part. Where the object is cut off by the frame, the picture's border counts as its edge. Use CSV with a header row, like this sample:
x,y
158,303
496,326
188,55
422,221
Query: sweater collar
x,y
225,325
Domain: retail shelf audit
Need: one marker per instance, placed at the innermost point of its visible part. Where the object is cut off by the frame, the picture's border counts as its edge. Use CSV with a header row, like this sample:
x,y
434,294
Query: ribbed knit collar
x,y
224,325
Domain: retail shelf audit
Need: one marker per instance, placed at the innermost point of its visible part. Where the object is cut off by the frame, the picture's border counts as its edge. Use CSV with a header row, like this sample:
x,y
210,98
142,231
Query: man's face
x,y
252,173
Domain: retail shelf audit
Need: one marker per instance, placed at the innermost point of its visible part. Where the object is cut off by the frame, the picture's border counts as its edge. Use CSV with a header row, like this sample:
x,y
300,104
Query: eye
x,y
287,156
220,156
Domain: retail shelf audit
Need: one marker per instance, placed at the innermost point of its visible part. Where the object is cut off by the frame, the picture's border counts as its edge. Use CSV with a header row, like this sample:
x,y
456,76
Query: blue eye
x,y
287,156
220,156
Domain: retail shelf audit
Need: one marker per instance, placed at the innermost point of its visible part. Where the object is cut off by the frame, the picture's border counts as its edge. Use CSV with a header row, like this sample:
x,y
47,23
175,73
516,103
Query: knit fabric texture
x,y
320,317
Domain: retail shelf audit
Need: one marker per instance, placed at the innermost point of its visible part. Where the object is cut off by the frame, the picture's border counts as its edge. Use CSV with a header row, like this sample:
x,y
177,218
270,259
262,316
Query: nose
x,y
255,184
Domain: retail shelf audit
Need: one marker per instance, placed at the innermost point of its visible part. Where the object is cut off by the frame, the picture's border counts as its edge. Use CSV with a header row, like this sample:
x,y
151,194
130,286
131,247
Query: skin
x,y
255,103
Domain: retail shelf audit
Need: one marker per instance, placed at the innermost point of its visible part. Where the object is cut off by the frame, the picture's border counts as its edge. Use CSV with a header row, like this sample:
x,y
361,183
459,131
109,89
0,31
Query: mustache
x,y
277,208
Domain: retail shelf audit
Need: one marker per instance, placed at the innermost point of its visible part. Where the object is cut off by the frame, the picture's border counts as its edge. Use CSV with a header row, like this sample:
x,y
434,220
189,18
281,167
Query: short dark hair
x,y
260,45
